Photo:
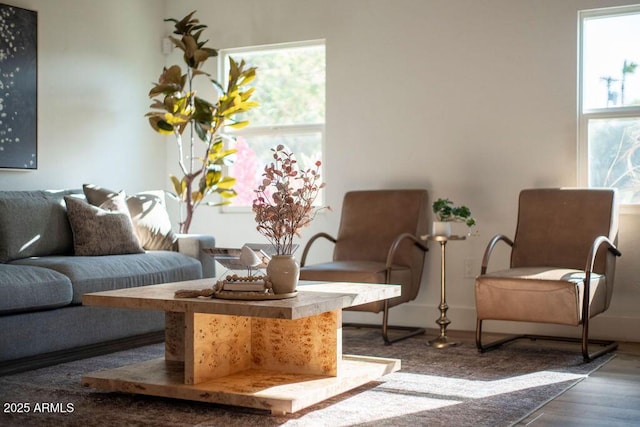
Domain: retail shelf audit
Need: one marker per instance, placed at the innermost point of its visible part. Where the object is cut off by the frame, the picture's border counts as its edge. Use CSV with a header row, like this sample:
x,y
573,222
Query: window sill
x,y
629,209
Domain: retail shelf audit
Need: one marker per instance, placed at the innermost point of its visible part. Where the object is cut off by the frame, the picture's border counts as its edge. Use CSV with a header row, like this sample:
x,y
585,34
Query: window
x,y
609,105
290,88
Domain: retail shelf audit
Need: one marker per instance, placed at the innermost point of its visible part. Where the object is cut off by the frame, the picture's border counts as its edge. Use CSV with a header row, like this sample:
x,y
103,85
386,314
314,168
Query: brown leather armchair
x,y
377,242
562,265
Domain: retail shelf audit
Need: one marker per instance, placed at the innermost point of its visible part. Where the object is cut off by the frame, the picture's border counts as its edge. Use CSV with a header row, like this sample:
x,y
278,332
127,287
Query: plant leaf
x,y
227,194
239,125
177,186
213,178
226,183
160,125
196,196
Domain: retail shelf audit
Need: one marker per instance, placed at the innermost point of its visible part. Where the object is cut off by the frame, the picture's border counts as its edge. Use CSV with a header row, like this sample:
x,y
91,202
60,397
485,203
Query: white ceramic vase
x,y
283,271
441,228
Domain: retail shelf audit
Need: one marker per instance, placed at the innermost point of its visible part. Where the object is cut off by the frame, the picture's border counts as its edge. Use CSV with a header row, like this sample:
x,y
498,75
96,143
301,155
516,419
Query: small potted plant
x,y
446,213
283,205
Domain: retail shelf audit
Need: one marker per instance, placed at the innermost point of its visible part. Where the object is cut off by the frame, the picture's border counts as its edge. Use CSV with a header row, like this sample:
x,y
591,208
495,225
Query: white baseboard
x,y
605,326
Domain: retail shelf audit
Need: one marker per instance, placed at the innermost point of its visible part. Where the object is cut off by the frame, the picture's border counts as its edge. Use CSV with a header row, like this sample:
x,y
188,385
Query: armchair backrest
x,y
556,227
371,220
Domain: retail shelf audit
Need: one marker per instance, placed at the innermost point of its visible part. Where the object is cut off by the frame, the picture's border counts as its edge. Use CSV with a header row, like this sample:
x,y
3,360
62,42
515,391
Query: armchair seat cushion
x,y
537,294
346,271
362,272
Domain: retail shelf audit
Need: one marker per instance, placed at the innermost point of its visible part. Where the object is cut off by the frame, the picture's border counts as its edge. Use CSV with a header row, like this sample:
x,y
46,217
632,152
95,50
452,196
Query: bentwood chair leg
x,y
412,331
607,346
482,348
385,328
585,339
385,323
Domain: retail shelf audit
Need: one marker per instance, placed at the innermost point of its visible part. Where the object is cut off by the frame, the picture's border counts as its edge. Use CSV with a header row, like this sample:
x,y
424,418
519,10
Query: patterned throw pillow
x,y
101,230
150,218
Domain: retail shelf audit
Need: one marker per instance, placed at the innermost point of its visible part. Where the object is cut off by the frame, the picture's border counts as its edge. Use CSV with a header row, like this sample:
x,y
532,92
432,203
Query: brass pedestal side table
x,y
442,341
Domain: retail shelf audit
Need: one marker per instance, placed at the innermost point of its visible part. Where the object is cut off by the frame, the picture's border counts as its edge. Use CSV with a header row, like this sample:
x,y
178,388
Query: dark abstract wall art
x,y
18,88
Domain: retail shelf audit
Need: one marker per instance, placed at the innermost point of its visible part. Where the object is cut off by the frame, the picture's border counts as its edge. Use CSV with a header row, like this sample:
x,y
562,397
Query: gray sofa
x,y
42,281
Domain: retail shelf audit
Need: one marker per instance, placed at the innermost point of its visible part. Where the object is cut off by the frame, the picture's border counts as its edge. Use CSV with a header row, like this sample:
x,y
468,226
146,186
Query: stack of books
x,y
244,284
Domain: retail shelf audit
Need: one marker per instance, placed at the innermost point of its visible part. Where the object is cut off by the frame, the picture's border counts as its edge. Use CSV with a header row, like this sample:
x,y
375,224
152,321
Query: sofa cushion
x,y
27,288
104,230
94,274
151,221
150,217
34,223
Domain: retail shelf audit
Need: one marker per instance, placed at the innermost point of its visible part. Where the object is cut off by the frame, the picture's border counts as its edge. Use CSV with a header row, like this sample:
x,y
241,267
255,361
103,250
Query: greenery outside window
x,y
609,101
290,88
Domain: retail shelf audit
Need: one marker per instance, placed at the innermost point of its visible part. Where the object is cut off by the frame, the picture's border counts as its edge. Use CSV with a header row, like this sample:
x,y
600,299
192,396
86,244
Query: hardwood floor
x,y
608,397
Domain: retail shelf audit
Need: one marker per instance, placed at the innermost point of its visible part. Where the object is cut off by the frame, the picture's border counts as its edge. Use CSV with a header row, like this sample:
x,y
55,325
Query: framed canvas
x,y
18,88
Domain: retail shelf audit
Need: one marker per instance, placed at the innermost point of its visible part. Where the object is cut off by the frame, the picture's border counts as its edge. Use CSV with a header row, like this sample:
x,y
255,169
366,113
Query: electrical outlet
x,y
468,268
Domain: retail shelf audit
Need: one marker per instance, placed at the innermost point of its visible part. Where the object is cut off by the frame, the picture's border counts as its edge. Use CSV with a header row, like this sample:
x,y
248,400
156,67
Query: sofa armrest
x,y
192,245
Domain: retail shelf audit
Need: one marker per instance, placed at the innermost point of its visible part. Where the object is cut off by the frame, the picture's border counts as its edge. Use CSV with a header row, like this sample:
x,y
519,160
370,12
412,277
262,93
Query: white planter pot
x,y
283,271
441,228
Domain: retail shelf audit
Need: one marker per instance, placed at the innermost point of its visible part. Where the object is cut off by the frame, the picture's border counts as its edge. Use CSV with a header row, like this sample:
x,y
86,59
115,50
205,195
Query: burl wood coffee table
x,y
277,355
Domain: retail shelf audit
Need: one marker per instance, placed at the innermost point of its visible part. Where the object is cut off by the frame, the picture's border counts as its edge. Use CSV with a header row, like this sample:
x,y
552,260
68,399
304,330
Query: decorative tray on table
x,y
234,287
247,288
252,296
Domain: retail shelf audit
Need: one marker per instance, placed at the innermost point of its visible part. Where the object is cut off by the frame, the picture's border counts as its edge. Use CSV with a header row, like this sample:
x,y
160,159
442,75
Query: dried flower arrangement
x,y
284,202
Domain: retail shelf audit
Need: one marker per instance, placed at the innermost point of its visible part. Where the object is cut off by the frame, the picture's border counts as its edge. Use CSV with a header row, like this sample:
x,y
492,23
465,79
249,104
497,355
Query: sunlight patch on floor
x,y
460,388
402,394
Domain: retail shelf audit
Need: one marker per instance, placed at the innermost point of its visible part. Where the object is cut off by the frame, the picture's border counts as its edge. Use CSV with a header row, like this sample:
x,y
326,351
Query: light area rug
x,y
455,386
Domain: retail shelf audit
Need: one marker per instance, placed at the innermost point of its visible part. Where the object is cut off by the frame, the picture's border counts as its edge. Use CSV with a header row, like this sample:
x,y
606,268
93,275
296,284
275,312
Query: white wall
x,y
96,62
472,100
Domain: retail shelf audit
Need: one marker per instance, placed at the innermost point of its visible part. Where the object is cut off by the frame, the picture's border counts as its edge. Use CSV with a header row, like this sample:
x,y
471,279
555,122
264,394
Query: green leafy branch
x,y
445,211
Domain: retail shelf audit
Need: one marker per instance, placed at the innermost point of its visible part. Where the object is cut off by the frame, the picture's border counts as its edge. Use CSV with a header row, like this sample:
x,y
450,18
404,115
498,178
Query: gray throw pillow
x,y
101,230
150,218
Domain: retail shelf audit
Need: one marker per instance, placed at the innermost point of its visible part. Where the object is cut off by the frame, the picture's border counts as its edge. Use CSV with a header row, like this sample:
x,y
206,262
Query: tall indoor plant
x,y
177,108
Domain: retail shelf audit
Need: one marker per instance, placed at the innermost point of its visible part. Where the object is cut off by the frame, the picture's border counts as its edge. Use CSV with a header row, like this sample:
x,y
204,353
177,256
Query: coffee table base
x,y
277,392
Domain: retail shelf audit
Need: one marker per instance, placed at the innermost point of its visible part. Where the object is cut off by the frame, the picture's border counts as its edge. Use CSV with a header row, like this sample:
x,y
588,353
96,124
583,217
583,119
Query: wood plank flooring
x,y
608,397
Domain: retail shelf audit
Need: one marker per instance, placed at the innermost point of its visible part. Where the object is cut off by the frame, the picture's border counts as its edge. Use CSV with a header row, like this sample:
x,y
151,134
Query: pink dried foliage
x,y
284,201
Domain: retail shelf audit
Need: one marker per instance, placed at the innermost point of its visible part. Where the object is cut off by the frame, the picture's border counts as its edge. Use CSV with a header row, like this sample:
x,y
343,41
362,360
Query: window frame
x,y
585,115
271,130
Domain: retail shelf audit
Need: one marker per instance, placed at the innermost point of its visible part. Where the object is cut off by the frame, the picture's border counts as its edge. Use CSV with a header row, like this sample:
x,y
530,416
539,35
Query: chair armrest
x,y
396,243
487,253
599,241
313,238
591,258
192,245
